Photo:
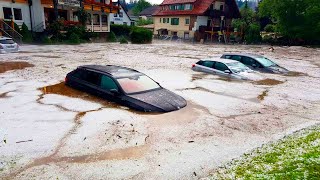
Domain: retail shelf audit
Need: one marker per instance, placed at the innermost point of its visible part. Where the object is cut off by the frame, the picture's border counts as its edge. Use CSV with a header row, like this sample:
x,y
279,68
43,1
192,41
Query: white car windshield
x,y
237,67
266,62
137,84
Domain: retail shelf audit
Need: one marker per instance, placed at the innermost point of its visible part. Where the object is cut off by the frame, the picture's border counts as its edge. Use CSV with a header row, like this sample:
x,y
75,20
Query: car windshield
x,y
237,67
6,41
137,84
266,62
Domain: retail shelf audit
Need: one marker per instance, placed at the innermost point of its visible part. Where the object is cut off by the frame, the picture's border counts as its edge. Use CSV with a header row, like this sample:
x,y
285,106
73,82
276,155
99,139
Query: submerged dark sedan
x,y
125,86
256,62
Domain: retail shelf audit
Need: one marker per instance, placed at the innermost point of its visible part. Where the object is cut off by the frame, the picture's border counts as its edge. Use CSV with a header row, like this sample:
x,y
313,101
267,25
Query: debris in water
x,y
268,82
13,65
24,141
264,94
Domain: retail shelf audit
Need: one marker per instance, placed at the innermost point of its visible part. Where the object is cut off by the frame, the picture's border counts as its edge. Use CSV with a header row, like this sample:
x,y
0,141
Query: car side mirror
x,y
227,71
115,92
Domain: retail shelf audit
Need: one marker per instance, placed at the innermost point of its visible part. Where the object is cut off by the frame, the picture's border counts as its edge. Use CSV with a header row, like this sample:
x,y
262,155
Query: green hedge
x,y
121,30
141,36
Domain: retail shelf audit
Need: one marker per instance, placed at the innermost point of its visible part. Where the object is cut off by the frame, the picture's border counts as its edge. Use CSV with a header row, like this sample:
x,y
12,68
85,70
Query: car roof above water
x,y
220,60
5,38
243,54
115,71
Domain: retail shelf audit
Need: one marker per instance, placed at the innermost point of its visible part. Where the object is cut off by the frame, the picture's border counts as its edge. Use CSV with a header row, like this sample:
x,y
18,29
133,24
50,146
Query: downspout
x,y
55,9
31,22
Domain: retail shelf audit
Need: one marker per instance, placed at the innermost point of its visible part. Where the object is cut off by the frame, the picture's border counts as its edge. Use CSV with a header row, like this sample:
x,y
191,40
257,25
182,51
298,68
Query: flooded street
x,y
51,130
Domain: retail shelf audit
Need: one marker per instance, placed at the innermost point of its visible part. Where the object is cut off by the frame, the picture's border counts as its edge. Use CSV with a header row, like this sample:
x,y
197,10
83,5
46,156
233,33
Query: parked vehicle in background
x,y
256,62
226,68
125,86
7,45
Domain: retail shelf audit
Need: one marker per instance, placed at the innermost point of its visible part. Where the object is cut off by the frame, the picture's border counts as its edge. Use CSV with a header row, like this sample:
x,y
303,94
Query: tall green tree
x,y
248,25
295,19
140,6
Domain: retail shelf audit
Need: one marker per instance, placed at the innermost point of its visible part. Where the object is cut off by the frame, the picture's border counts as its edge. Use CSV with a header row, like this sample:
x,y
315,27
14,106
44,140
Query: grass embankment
x,y
294,157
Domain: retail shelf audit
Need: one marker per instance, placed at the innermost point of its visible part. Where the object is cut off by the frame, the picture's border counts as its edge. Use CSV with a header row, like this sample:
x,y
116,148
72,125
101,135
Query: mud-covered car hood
x,y
162,98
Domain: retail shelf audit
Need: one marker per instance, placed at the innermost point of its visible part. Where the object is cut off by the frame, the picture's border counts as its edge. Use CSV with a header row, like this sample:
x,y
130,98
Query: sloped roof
x,y
166,2
200,7
149,11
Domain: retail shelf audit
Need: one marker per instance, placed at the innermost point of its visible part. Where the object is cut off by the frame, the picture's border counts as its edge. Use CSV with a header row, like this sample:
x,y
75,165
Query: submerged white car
x,y
226,68
8,45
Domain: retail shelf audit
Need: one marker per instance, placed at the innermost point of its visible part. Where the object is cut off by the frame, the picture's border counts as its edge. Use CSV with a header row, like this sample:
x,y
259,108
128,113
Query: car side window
x,y
208,64
227,56
89,76
220,66
237,58
107,83
247,61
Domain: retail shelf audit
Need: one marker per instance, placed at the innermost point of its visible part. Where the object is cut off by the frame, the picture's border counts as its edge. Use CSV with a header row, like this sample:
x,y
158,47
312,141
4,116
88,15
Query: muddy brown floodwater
x,y
62,89
13,65
268,82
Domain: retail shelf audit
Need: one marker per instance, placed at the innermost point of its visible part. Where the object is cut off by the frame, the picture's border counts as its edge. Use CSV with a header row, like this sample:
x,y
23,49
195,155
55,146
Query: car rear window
x,y
7,41
137,84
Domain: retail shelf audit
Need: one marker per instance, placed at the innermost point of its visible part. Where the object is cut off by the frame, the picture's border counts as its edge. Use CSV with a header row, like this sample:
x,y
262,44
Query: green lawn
x,y
294,157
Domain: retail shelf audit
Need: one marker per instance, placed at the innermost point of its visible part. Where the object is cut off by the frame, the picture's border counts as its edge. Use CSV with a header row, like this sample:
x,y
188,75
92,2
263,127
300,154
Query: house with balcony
x,y
39,14
199,19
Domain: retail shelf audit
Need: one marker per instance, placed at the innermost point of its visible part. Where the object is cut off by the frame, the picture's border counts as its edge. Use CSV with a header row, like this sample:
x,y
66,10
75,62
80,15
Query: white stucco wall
x,y
201,21
24,10
120,20
37,15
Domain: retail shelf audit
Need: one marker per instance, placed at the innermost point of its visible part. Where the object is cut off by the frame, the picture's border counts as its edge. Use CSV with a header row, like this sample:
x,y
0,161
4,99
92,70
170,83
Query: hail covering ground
x,y
46,135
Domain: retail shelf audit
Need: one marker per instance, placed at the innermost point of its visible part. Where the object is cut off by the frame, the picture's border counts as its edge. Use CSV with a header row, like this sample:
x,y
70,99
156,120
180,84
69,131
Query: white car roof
x,y
4,38
220,60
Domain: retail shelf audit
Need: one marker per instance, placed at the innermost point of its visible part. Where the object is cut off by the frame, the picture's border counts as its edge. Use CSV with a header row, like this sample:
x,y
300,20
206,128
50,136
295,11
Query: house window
x,y
160,20
96,19
125,23
164,20
187,21
188,7
104,19
221,7
132,23
168,20
115,15
7,12
17,14
121,14
174,21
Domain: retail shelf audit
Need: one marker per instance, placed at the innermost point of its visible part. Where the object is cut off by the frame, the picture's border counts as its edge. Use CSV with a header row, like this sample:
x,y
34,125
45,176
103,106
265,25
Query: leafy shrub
x,y
78,30
123,40
27,35
111,37
74,39
55,29
142,22
269,28
253,33
141,36
46,40
268,39
121,30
